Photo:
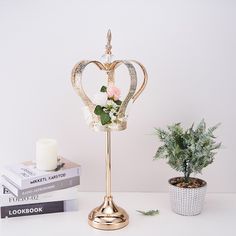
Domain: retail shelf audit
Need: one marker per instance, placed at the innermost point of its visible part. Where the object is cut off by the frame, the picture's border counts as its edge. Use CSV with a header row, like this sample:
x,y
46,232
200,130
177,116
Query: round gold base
x,y
108,216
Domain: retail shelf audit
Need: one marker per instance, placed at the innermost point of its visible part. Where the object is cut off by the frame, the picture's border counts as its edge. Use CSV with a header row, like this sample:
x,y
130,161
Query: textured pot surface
x,y
187,201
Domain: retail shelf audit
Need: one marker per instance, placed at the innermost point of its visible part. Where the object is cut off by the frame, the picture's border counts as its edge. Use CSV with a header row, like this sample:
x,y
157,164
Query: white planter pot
x,y
187,201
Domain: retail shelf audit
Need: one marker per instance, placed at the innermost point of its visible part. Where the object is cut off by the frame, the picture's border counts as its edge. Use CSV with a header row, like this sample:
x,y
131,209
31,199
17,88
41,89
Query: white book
x,y
50,187
8,199
26,175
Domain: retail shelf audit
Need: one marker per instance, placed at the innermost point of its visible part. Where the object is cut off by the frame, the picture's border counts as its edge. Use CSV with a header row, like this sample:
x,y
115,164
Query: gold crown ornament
x,y
107,112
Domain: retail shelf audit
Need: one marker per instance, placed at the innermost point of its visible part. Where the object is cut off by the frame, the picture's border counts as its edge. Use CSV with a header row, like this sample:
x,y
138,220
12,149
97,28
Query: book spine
x,y
50,178
32,209
8,199
67,183
12,175
11,187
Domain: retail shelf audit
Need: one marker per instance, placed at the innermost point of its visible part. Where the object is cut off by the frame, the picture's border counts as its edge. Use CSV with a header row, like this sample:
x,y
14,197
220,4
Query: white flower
x,y
112,104
113,110
113,118
87,114
100,98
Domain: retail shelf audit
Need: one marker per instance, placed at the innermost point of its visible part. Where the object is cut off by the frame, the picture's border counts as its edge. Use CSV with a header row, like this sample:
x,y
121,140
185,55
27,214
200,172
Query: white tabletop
x,y
218,218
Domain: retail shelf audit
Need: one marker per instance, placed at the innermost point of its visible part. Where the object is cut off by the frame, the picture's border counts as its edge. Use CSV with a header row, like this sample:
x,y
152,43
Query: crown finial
x,y
108,45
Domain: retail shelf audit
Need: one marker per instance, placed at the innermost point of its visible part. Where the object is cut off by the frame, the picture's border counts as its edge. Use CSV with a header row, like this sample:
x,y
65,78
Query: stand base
x,y
108,216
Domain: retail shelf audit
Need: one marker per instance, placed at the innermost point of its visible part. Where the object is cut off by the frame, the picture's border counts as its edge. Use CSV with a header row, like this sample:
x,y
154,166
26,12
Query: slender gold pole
x,y
108,163
108,216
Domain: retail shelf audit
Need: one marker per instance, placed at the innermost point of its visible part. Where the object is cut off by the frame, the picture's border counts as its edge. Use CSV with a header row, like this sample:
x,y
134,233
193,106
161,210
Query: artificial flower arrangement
x,y
108,103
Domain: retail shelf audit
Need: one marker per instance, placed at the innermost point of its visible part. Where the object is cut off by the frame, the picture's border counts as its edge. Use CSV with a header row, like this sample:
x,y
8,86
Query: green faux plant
x,y
187,150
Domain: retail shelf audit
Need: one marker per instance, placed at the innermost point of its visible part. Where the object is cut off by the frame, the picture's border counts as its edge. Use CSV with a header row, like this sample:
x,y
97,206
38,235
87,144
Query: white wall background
x,y
188,47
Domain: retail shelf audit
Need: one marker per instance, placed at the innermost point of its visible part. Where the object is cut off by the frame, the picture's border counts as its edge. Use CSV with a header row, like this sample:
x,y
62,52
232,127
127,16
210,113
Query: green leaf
x,y
149,213
105,118
212,129
118,102
201,127
216,146
103,89
98,110
160,152
187,150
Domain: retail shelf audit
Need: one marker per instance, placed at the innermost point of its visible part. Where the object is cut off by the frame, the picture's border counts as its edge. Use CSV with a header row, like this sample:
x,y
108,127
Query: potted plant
x,y
187,151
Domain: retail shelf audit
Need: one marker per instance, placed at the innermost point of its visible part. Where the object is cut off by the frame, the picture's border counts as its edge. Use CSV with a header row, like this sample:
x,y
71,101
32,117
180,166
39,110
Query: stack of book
x,y
25,190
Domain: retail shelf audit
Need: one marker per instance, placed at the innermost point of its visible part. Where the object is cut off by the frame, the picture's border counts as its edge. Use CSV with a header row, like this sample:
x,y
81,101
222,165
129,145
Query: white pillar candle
x,y
46,154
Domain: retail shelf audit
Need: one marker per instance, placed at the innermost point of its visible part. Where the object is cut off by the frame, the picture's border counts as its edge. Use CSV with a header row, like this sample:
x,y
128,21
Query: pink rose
x,y
113,92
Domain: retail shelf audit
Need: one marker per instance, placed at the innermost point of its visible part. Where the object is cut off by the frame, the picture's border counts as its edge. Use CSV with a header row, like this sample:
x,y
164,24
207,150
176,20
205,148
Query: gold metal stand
x,y
108,216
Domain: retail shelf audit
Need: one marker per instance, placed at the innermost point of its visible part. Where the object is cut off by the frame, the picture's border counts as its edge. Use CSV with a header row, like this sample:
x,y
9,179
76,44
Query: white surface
x,y
218,218
187,46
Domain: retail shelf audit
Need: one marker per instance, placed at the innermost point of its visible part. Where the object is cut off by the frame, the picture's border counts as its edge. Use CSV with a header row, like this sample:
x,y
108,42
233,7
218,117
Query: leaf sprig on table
x,y
149,213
